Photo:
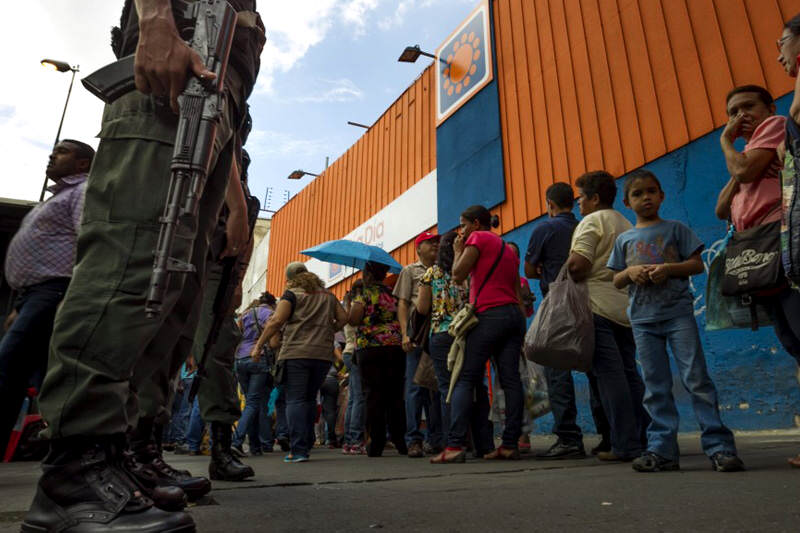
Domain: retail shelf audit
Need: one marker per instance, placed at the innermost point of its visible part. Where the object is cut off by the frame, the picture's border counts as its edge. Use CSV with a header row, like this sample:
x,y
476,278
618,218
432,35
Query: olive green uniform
x,y
101,332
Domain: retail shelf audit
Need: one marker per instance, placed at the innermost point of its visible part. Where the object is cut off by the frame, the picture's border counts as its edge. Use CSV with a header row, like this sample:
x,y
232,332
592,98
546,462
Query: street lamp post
x,y
59,66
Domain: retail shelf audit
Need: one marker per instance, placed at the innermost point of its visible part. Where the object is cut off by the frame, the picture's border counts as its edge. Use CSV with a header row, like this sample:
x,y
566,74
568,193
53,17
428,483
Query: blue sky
x,y
326,62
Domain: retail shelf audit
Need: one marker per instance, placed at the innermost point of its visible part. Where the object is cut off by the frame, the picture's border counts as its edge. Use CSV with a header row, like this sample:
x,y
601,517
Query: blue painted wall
x,y
756,379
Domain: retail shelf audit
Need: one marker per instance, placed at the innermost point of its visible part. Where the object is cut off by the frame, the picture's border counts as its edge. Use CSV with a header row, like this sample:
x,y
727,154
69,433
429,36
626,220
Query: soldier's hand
x,y
163,59
237,233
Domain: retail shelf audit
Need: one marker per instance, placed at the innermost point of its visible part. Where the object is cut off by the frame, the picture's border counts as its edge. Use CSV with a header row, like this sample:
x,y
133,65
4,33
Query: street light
x,y
297,174
59,66
412,53
357,124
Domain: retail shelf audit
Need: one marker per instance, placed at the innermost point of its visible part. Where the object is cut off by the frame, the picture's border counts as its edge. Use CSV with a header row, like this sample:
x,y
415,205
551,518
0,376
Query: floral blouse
x,y
380,326
446,298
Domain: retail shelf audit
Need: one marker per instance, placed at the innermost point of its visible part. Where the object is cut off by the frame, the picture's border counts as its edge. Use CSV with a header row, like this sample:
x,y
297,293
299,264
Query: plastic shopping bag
x,y
562,333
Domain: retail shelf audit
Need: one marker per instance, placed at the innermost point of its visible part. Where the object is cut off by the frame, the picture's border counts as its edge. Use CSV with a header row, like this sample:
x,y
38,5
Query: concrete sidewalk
x,y
333,492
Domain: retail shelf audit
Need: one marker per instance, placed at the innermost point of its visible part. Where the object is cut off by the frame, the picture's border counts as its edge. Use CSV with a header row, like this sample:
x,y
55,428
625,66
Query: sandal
x,y
449,455
503,453
795,462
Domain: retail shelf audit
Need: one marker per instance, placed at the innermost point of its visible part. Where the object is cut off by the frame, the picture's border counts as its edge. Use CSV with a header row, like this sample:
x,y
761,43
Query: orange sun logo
x,y
461,63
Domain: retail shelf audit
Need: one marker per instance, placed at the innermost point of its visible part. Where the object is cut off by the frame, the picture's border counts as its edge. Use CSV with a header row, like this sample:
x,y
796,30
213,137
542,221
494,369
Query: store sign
x,y
465,65
407,216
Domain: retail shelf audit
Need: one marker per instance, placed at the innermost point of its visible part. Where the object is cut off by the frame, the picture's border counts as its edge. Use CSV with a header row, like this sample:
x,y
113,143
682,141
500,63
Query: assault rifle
x,y
201,106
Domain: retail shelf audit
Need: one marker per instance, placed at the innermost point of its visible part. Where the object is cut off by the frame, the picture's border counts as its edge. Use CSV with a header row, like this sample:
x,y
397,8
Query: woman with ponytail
x,y
494,290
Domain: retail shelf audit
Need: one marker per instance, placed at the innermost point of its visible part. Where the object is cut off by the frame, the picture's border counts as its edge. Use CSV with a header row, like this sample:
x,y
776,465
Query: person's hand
x,y
639,274
733,129
408,344
781,151
255,353
12,316
163,59
237,233
458,244
659,273
539,269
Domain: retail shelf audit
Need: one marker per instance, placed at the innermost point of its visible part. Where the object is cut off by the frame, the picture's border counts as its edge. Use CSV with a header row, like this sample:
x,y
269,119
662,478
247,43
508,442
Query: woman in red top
x,y
493,269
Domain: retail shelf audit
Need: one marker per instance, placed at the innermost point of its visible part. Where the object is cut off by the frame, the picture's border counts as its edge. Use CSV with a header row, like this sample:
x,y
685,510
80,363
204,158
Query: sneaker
x,y
726,462
563,450
238,451
345,449
652,462
430,449
295,458
415,450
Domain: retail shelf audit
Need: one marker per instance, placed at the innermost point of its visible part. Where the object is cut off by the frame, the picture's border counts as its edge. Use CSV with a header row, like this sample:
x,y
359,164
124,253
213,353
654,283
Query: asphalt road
x,y
333,493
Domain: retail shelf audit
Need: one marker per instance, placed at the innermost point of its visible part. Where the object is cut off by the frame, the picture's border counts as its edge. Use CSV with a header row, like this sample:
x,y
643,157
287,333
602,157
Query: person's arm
x,y
744,167
424,298
341,317
638,274
533,256
465,259
237,228
794,109
402,315
582,252
578,267
533,271
519,299
684,269
282,313
723,209
163,59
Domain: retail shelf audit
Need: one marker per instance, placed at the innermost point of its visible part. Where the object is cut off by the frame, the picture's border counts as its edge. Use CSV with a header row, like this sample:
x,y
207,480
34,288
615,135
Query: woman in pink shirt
x,y
494,289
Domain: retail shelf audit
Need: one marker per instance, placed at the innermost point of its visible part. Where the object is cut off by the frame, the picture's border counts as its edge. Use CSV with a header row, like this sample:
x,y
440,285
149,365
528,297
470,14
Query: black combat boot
x,y
83,491
148,465
224,466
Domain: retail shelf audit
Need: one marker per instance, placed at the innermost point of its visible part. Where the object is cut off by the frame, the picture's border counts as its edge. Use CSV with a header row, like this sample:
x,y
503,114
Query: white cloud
x,y
355,12
341,90
278,143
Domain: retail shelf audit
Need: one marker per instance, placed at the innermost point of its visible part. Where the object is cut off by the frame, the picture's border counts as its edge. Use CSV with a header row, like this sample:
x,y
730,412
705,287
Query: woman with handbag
x,y
380,357
494,290
254,379
309,316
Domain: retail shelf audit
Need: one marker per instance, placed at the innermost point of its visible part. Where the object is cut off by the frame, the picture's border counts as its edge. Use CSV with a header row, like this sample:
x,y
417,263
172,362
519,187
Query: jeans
x,y
684,342
181,410
256,383
785,310
499,334
281,426
24,348
354,412
419,399
194,435
620,386
303,379
382,375
561,391
329,394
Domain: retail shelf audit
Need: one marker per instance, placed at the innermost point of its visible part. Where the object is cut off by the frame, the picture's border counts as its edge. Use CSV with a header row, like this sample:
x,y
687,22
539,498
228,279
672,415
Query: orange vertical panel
x,y
558,147
713,58
418,125
686,61
385,155
504,210
404,161
765,21
431,102
425,125
603,91
788,9
392,148
573,135
370,181
397,178
648,114
740,45
624,99
589,129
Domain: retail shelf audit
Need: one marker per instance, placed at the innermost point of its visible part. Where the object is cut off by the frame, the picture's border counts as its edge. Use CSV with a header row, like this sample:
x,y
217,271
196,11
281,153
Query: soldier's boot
x,y
83,490
224,465
148,466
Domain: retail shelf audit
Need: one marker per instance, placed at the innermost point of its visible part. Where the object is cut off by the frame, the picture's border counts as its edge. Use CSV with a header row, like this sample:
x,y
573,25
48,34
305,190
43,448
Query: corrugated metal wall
x,y
613,84
583,84
395,153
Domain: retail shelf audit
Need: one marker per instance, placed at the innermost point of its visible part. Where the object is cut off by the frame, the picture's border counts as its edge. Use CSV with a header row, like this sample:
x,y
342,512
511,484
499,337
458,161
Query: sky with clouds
x,y
325,62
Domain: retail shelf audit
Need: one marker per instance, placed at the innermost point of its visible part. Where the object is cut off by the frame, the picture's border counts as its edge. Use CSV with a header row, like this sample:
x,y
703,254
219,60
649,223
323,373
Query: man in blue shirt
x,y
548,250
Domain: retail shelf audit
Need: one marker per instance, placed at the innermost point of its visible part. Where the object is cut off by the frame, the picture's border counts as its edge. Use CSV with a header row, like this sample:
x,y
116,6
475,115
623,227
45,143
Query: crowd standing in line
x,y
106,398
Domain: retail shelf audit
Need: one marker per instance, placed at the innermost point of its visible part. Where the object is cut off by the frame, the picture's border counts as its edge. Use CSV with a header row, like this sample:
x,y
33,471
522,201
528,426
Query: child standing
x,y
655,260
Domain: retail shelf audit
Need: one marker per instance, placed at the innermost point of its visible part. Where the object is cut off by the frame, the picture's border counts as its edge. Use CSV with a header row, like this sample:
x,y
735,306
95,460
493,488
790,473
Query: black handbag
x,y
419,328
753,262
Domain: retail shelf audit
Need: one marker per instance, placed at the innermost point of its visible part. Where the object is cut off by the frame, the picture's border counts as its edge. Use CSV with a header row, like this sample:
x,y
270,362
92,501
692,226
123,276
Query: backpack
x,y
790,227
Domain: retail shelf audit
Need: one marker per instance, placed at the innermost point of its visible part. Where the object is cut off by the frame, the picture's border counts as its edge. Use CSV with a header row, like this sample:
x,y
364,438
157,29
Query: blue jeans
x,y
499,334
561,391
194,435
281,426
354,412
417,399
684,342
620,386
256,383
24,348
181,411
303,379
